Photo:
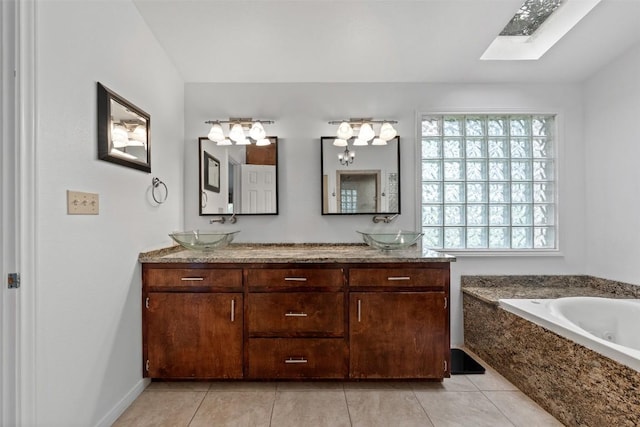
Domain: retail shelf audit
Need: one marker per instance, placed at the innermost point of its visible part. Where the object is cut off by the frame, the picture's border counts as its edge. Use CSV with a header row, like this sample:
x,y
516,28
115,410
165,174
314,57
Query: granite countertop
x,y
490,289
293,253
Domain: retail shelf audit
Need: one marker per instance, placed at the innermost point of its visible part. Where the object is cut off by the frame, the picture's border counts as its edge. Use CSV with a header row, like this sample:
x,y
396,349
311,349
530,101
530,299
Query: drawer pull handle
x,y
233,310
296,360
290,314
359,310
399,278
295,279
184,279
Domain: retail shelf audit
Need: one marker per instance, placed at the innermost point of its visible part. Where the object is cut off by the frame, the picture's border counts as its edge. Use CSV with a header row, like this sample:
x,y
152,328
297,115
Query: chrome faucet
x,y
386,218
222,219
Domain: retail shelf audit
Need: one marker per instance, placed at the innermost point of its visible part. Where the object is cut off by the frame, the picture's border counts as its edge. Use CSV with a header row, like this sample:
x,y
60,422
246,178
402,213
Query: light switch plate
x,y
79,203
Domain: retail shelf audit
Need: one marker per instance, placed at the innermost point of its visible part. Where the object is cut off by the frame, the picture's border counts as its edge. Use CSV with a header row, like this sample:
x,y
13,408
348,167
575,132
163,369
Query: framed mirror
x,y
361,179
123,131
238,179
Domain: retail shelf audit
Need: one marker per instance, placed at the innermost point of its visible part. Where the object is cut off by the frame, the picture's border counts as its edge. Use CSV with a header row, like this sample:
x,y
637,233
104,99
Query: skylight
x,y
530,16
536,27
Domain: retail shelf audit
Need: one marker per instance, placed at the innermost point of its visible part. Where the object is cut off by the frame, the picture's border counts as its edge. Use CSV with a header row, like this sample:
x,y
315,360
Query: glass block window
x,y
348,201
392,193
488,182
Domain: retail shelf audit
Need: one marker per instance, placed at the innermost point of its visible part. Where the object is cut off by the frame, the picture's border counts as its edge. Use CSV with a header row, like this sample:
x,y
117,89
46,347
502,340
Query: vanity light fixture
x,y
126,133
237,135
365,132
347,157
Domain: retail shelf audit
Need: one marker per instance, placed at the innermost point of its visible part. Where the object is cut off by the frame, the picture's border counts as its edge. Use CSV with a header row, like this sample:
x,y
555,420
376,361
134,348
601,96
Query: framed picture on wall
x,y
211,173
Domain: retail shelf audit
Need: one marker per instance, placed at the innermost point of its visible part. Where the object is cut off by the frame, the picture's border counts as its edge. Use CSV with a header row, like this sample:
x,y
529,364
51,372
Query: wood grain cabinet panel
x,y
194,335
399,277
193,277
296,314
398,335
251,320
294,278
282,358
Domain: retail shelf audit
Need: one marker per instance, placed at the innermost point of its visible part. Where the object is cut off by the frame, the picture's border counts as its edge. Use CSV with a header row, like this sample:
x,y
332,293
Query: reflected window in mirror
x,y
123,131
238,179
360,179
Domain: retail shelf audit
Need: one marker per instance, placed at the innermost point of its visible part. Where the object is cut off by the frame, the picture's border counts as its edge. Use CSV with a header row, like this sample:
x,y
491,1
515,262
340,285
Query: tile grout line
x,y
273,405
413,390
496,406
200,405
346,401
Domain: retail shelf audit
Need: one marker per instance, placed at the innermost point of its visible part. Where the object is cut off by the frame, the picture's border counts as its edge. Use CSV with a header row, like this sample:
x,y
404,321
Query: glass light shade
x,y
236,133
139,133
345,131
243,141
379,141
340,142
387,131
263,142
359,141
366,132
119,143
119,136
257,131
225,141
216,133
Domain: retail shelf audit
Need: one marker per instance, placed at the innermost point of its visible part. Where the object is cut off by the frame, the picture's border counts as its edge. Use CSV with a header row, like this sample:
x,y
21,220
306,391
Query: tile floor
x,y
462,400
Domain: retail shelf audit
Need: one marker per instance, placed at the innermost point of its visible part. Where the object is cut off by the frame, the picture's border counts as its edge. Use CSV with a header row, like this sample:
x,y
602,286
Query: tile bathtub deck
x,y
462,400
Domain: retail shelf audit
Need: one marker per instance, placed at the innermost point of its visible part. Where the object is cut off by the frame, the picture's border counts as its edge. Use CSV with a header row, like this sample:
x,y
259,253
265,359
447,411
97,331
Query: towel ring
x,y
155,183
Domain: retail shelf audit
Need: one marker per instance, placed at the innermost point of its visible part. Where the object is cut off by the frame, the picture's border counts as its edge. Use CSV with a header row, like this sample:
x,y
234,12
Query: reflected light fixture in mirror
x,y
237,128
347,157
364,130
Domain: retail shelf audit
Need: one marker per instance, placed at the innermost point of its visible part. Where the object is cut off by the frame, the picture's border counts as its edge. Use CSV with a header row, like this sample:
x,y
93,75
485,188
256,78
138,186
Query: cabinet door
x,y
397,334
194,335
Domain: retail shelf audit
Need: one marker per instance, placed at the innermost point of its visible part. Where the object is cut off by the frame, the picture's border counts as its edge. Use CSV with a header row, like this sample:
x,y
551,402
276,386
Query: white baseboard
x,y
123,404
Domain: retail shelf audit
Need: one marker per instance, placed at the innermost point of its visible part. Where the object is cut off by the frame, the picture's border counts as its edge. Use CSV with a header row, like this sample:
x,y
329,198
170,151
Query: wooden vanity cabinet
x,y
296,321
192,322
399,323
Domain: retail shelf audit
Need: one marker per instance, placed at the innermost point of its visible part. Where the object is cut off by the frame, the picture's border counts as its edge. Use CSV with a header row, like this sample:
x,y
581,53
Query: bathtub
x,y
606,326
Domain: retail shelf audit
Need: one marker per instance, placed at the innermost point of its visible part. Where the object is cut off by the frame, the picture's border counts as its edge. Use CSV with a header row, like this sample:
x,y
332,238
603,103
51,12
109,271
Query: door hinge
x,y
146,365
146,302
13,280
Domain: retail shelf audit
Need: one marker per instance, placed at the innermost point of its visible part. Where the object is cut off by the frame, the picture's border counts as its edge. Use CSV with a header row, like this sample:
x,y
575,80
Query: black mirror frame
x,y
104,98
200,183
331,138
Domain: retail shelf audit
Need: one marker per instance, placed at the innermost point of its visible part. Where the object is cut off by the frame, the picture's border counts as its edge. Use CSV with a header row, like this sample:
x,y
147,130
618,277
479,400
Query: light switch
x,y
79,203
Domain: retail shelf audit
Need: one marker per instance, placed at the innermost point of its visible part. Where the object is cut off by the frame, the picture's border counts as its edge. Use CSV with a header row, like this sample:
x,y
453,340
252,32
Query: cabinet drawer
x,y
176,277
296,314
423,277
297,358
294,277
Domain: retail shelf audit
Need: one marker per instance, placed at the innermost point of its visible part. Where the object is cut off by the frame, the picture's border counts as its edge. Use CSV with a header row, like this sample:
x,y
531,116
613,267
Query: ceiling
x,y
374,40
